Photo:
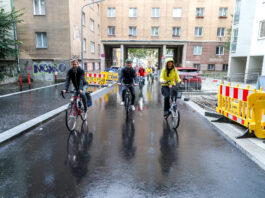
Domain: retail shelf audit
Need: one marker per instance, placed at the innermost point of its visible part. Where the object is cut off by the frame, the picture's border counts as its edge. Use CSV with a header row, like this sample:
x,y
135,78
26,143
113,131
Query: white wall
x,y
245,27
6,4
258,44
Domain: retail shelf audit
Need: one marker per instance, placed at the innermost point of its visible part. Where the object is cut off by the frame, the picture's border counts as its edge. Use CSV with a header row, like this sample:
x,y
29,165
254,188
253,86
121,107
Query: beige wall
x,y
187,22
55,23
75,28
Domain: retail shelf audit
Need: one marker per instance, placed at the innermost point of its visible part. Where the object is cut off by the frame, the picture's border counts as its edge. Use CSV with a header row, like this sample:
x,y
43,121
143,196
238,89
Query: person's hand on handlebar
x,y
119,84
80,91
63,91
135,84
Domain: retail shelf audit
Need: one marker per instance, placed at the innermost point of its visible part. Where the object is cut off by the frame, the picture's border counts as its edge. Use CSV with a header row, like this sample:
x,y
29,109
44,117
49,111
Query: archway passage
x,y
115,55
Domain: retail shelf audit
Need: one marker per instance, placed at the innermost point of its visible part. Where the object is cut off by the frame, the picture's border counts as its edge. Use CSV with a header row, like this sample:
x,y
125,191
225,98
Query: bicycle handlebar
x,y
62,94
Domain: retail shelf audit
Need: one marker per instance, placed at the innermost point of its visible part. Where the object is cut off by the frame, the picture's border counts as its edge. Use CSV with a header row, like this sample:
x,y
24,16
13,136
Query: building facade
x,y
195,29
51,36
247,54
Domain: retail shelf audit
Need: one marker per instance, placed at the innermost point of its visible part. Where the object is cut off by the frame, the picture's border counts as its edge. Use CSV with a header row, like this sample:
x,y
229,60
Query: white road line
x,y
31,123
20,92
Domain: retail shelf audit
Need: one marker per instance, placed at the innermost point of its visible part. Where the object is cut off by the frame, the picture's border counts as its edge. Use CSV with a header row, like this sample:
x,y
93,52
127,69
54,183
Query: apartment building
x,y
51,36
247,54
194,29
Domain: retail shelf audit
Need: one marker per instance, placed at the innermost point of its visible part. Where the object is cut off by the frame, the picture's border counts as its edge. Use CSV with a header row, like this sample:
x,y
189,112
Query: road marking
x,y
4,136
20,92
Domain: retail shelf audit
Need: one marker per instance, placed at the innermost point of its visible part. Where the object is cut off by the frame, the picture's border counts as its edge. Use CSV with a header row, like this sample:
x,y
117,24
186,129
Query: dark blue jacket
x,y
77,77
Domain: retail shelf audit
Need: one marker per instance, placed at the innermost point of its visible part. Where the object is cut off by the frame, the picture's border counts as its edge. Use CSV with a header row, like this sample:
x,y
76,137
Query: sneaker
x,y
132,108
122,103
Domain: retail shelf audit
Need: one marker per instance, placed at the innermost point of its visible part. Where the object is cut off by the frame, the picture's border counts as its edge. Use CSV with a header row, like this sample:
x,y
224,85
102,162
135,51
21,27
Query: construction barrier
x,y
243,105
96,79
111,76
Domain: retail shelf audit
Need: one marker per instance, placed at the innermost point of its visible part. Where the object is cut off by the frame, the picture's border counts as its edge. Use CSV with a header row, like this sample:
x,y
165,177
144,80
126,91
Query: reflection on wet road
x,y
141,156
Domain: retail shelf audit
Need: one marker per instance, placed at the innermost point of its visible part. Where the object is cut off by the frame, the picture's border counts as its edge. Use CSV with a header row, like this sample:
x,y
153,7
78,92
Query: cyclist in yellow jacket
x,y
169,73
149,73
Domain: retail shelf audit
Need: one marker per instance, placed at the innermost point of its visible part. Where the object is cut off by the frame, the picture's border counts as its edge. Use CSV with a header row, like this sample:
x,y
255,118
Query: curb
x,y
254,149
15,131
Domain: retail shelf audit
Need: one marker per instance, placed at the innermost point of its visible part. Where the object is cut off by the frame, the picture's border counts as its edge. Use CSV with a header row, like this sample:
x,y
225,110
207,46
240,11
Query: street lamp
x,y
82,33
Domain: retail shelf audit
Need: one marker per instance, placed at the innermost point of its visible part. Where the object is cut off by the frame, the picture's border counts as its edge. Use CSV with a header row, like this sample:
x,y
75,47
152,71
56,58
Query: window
x,y
132,31
198,31
220,50
221,32
223,12
197,50
85,68
211,67
199,12
83,19
237,11
234,40
111,30
84,44
197,66
177,12
39,7
41,40
176,31
262,29
155,31
225,67
98,28
132,12
111,12
99,49
155,12
91,24
92,47
94,66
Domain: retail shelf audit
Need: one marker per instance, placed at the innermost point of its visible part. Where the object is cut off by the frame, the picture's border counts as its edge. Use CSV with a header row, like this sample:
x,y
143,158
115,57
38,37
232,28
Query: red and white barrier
x,y
234,92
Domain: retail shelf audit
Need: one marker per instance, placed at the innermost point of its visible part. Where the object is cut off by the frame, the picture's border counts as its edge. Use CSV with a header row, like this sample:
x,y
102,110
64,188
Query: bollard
x,y
55,76
29,80
20,82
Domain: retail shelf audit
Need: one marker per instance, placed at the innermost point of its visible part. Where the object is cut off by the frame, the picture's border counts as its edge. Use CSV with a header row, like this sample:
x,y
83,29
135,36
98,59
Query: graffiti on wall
x,y
48,68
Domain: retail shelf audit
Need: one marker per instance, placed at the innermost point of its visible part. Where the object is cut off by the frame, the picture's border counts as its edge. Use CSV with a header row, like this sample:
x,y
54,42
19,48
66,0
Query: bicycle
x,y
127,98
173,110
74,109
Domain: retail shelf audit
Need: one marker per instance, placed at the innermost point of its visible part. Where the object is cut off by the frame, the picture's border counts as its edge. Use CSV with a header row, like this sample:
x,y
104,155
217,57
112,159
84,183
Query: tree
x,y
7,41
137,53
227,43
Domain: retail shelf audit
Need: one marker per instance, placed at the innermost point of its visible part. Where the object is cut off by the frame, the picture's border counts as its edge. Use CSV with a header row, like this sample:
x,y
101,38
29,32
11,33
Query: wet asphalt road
x,y
141,157
17,109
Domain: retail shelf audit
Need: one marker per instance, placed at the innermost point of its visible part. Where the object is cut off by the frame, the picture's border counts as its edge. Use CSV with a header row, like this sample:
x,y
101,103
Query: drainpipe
x,y
15,37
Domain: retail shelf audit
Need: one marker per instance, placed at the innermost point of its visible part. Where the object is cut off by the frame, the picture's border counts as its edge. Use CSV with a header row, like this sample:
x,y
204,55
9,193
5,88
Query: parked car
x,y
191,76
112,69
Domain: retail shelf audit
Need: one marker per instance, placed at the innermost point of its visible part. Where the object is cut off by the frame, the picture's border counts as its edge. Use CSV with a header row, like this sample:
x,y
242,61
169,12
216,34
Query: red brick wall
x,y
208,55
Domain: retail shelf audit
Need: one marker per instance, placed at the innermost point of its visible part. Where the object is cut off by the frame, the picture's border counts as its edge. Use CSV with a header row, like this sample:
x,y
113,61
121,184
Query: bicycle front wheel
x,y
71,117
175,119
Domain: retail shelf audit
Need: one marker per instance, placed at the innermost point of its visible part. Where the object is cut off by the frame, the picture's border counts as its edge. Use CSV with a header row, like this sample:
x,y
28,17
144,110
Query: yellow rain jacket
x,y
173,76
149,71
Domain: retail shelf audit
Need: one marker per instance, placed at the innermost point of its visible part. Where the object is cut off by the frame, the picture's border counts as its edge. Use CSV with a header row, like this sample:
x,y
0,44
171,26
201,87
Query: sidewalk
x,y
253,148
208,84
22,107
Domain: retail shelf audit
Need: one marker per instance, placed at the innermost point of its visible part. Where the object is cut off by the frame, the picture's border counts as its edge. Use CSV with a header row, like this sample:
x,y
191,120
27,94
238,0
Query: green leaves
x,y
8,43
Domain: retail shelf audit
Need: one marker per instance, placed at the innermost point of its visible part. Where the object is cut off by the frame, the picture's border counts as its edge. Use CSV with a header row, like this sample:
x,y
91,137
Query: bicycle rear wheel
x,y
175,118
71,117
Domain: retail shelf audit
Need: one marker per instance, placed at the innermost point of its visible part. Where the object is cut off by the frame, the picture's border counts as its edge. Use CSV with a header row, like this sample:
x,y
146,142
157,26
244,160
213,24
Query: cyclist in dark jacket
x,y
128,76
77,75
